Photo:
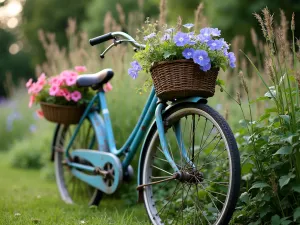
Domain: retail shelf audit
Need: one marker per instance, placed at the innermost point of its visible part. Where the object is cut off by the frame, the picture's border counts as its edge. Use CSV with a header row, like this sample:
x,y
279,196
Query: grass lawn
x,y
28,199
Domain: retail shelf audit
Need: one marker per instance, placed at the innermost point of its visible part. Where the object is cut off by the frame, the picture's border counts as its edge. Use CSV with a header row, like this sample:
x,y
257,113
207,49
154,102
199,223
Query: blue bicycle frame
x,y
152,107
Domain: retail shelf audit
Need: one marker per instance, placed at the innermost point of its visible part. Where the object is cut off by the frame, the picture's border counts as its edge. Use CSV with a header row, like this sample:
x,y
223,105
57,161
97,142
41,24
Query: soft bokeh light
x,y
12,22
14,49
13,8
2,1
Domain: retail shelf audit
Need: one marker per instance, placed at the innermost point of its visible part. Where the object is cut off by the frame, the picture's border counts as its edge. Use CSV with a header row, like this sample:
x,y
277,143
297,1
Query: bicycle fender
x,y
99,128
151,131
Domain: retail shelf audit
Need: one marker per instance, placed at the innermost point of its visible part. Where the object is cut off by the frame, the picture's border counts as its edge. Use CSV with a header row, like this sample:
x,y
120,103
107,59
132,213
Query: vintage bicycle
x,y
189,164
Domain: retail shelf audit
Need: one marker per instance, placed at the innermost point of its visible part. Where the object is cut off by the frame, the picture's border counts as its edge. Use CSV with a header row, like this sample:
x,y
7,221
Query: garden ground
x,y
28,199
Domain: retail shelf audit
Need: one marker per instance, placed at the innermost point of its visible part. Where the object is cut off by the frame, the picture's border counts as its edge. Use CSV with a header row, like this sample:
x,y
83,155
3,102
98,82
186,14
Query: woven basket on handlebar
x,y
62,113
182,78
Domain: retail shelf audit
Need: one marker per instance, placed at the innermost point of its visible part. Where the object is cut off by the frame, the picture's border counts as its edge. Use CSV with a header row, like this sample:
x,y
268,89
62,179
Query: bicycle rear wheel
x,y
71,189
208,190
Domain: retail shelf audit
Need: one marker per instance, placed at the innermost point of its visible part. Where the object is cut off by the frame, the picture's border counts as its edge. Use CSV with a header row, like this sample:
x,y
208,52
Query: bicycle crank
x,y
101,170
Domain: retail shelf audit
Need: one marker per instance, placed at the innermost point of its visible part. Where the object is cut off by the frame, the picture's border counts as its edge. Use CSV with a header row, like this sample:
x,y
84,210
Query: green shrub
x,y
33,151
270,144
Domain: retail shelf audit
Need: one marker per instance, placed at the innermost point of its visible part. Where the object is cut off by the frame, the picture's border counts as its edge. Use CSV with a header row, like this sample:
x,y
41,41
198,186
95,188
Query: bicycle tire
x,y
148,170
60,169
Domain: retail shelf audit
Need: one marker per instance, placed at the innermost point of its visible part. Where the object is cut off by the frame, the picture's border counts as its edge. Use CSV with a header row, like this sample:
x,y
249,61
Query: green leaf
x,y
259,185
275,220
168,54
243,123
284,180
296,188
284,150
247,176
244,197
263,98
286,118
296,214
220,82
285,222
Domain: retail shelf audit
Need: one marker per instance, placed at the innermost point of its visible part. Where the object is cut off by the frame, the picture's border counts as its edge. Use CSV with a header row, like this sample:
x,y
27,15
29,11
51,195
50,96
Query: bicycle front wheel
x,y
71,189
208,190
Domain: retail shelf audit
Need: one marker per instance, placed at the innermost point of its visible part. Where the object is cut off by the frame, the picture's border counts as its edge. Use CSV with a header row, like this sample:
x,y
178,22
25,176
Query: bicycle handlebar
x,y
115,35
101,39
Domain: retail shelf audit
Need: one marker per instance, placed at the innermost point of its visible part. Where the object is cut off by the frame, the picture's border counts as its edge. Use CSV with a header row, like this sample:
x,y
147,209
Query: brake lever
x,y
116,42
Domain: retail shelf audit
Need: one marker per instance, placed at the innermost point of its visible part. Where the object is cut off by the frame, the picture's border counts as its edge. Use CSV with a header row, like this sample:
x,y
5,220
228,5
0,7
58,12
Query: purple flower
x,y
215,44
203,39
215,32
201,57
133,73
206,67
232,59
225,44
192,38
166,37
149,36
181,39
136,66
170,30
188,53
188,25
225,52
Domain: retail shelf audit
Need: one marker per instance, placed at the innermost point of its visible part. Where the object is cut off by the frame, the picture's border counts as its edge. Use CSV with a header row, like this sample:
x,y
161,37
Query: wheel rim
x,y
73,190
203,199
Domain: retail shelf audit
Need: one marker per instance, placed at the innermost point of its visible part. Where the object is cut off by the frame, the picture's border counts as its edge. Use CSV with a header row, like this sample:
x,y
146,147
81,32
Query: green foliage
x,y
270,144
159,49
51,16
32,152
17,65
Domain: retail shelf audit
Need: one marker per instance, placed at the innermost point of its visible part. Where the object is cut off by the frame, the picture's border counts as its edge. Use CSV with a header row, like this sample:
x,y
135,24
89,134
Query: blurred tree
x,y
96,11
51,16
236,17
12,61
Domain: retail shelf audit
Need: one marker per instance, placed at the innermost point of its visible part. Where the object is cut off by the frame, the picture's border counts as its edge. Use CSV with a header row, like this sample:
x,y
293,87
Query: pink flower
x,y
76,96
70,81
80,69
35,88
107,87
65,73
42,79
31,100
57,81
67,95
40,113
53,90
29,82
60,93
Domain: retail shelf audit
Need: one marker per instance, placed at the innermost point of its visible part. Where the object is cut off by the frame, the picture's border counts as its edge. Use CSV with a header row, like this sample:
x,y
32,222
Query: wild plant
x,y
270,144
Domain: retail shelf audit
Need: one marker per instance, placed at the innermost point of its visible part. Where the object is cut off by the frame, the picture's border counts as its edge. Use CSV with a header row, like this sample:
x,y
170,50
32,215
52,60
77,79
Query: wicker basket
x,y
182,78
61,113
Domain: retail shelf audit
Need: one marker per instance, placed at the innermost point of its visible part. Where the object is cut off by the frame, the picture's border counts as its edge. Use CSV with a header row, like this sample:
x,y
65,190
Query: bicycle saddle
x,y
95,80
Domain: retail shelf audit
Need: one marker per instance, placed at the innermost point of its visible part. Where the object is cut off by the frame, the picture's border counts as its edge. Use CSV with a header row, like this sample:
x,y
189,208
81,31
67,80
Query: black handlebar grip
x,y
101,39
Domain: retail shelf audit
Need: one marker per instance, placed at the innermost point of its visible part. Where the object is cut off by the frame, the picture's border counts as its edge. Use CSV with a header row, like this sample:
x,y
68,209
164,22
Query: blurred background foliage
x,y
20,21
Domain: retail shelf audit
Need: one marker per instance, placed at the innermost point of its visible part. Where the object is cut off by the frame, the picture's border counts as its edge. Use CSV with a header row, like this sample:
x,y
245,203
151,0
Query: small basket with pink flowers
x,y
60,99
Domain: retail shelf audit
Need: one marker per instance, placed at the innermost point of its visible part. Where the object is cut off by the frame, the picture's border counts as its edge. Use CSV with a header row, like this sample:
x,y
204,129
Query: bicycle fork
x,y
164,144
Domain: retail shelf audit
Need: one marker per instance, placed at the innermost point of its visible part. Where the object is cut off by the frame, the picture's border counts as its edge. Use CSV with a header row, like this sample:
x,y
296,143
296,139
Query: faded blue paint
x,y
97,159
162,136
99,128
85,114
152,127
